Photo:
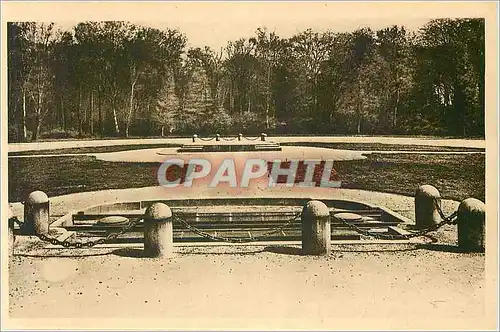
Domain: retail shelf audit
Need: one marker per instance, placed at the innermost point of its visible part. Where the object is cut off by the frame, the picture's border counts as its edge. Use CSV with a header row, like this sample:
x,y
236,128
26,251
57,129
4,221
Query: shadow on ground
x,y
130,252
61,255
284,250
445,248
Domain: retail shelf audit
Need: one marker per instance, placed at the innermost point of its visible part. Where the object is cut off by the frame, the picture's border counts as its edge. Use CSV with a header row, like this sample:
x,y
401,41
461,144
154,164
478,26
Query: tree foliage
x,y
115,78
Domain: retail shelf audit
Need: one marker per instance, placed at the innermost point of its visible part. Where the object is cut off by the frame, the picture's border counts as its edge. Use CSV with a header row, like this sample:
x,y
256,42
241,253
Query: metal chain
x,y
91,243
236,239
17,221
229,139
251,139
450,220
206,139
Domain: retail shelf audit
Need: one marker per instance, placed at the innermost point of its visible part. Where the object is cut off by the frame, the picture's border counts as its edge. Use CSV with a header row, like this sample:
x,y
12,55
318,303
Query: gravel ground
x,y
391,286
376,286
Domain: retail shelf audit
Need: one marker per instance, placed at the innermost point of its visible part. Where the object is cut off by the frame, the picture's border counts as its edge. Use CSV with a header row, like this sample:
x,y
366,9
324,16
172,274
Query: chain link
x,y
251,139
206,139
450,220
229,139
236,239
18,222
90,243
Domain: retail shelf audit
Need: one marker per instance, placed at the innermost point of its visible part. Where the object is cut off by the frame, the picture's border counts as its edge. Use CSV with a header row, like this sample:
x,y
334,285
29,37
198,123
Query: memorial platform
x,y
230,144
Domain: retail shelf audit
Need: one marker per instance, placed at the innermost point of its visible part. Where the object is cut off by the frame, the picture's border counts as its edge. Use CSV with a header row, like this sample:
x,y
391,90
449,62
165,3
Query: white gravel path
x,y
287,153
465,143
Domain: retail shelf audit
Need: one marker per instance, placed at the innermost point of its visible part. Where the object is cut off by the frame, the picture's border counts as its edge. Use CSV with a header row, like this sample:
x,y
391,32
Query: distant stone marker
x,y
113,220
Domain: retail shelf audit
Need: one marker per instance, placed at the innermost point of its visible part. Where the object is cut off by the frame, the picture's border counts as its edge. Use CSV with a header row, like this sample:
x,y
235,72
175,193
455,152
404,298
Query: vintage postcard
x,y
249,165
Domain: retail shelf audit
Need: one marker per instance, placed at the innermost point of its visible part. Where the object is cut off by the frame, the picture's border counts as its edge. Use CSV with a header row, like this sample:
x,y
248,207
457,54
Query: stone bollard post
x,y
426,213
240,136
158,231
316,233
36,214
195,137
471,225
12,238
217,137
263,137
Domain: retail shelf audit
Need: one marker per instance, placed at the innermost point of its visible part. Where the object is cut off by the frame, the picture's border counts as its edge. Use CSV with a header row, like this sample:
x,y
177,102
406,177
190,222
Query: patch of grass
x,y
456,176
66,175
95,149
381,147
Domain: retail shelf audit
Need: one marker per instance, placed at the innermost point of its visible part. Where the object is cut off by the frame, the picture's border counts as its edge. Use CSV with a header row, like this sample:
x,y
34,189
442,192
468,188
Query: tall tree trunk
x,y
60,117
23,118
249,101
38,116
99,107
460,109
115,120
359,110
38,125
268,96
396,106
64,115
131,105
480,120
34,133
91,117
79,113
231,99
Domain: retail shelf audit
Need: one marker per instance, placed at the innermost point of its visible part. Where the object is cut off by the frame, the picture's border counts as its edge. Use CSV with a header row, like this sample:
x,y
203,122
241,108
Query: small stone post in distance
x,y
158,231
316,233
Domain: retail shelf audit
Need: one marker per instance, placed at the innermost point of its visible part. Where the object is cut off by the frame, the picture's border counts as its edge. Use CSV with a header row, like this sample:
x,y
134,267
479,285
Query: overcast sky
x,y
216,23
216,33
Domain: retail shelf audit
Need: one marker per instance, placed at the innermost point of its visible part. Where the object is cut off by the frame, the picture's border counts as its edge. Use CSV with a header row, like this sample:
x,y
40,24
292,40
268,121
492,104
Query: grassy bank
x,y
382,147
94,149
456,176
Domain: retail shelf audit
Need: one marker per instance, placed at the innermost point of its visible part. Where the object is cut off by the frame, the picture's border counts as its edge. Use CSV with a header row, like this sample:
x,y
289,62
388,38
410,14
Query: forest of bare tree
x,y
114,78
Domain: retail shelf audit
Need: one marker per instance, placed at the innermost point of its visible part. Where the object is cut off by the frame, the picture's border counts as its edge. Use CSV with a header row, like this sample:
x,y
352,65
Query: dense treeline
x,y
120,79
